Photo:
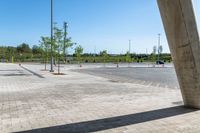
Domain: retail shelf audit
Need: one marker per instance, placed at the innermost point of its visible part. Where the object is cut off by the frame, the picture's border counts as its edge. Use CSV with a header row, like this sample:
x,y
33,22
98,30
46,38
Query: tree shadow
x,y
114,122
13,72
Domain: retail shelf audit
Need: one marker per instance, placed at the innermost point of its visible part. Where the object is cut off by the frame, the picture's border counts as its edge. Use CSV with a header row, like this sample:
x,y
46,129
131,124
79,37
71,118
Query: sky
x,y
93,24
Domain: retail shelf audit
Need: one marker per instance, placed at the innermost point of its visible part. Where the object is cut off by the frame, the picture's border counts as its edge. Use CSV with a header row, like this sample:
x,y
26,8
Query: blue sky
x,y
104,24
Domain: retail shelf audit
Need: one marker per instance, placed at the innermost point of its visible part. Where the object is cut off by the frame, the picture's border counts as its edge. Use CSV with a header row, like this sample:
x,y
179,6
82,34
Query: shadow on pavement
x,y
9,70
32,72
8,75
114,122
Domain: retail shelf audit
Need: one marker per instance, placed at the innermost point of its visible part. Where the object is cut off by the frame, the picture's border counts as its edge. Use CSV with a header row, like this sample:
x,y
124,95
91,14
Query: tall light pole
x,y
65,39
129,46
159,46
51,70
95,49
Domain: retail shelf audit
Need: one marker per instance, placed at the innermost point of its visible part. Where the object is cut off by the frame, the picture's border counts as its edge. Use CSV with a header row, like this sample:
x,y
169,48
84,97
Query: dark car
x,y
159,62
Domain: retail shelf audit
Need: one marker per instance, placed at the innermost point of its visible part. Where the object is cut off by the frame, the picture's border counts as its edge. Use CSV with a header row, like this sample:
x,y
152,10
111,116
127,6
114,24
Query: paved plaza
x,y
93,99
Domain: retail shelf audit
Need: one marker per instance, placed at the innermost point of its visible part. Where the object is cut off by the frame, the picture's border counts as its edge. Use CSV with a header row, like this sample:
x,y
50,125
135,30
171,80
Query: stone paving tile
x,y
78,102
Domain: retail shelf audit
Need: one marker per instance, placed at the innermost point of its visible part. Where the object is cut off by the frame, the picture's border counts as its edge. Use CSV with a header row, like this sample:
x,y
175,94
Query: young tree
x,y
58,40
104,54
128,58
78,53
60,43
45,45
67,42
66,45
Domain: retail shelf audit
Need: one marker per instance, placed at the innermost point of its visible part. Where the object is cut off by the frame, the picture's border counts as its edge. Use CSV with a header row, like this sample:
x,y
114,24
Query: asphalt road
x,y
163,77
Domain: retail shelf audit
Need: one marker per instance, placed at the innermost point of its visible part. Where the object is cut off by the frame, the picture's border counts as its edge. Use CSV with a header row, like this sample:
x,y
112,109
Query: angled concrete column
x,y
182,34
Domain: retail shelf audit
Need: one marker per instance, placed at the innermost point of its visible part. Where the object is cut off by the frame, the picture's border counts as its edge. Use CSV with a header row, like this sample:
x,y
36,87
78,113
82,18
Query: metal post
x,y
51,70
58,61
159,46
65,38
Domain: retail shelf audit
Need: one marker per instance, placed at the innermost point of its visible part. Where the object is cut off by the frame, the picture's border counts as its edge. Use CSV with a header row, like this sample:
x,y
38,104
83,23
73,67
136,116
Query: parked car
x,y
159,62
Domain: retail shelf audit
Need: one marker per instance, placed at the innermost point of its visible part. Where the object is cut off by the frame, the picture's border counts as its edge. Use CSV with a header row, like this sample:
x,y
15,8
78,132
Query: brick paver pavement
x,y
78,102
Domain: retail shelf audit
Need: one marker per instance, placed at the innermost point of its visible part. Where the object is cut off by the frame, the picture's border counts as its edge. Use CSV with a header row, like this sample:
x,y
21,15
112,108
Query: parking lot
x,y
163,77
92,99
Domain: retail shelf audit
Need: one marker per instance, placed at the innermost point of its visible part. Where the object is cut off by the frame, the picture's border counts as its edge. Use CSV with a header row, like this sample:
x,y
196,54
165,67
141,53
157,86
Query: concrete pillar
x,y
183,38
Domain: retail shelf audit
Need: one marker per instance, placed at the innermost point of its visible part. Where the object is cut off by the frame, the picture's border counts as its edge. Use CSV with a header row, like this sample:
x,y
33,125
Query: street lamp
x,y
51,70
159,46
129,46
65,39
